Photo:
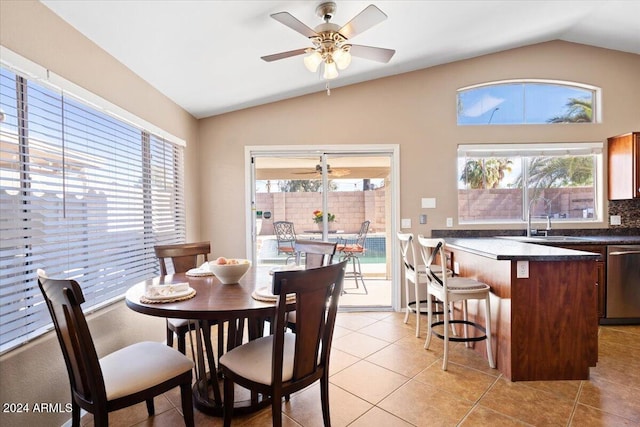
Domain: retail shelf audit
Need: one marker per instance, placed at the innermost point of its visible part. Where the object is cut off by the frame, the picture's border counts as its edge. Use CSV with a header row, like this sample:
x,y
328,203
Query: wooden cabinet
x,y
624,166
601,268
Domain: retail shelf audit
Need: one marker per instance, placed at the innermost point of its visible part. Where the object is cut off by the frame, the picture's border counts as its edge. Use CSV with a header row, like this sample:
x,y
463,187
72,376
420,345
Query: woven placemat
x,y
266,298
145,300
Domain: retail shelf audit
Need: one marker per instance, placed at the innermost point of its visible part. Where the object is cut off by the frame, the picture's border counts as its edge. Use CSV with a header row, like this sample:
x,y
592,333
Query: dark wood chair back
x,y
313,289
63,298
307,352
183,256
316,252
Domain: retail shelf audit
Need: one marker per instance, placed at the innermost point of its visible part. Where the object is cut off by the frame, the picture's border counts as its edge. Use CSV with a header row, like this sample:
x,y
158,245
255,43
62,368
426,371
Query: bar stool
x,y
416,274
449,290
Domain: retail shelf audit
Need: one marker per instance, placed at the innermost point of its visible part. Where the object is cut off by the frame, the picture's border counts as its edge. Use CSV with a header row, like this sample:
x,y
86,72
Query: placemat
x,y
264,295
145,300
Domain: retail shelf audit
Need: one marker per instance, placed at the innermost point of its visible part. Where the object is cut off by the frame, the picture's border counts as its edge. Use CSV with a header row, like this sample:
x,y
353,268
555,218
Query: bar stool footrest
x,y
412,307
461,339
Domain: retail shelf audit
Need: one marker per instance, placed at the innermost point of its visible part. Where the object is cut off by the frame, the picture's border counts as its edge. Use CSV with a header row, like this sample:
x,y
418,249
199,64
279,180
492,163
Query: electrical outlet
x,y
423,219
522,268
449,222
616,220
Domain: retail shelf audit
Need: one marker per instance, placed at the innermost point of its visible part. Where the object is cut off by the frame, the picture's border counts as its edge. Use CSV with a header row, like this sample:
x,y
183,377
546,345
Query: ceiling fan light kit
x,y
330,47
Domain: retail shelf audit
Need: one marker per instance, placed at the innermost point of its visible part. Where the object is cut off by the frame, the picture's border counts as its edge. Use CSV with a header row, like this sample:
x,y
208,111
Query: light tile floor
x,y
382,376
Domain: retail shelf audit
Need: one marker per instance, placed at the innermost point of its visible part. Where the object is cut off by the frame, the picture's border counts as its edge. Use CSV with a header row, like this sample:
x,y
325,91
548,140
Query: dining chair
x,y
131,375
283,363
450,290
286,236
182,257
351,250
417,275
316,254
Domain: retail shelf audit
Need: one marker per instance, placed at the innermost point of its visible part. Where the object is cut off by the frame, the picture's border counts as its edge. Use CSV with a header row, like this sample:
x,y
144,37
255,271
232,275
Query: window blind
x,y
84,195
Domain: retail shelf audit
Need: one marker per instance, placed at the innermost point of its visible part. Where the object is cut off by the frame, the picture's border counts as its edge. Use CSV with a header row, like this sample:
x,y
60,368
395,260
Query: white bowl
x,y
230,273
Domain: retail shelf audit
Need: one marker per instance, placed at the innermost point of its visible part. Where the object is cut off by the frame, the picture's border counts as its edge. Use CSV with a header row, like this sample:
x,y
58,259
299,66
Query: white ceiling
x,y
205,55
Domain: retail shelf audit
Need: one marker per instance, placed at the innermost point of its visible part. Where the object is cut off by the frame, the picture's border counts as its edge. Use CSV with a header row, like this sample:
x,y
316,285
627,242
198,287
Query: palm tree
x,y
577,111
568,171
485,173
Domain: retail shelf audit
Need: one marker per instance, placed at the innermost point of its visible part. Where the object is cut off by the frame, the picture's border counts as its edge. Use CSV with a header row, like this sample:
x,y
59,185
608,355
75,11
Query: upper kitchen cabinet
x,y
624,166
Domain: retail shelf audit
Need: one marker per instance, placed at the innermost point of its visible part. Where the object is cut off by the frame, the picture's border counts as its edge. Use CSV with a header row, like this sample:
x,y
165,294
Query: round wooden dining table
x,y
213,303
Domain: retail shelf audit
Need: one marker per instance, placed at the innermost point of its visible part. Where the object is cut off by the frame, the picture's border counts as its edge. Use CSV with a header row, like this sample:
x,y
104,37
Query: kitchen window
x,y
84,195
501,183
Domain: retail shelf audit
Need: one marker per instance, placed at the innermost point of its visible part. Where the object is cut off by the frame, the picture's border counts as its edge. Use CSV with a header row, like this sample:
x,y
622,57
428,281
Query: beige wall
x,y
417,111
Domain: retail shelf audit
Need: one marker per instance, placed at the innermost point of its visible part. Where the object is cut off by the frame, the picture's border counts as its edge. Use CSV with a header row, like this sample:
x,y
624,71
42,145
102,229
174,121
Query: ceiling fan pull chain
x,y
328,90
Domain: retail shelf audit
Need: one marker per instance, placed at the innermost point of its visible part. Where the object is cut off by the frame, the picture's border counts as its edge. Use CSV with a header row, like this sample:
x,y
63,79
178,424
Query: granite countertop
x,y
508,249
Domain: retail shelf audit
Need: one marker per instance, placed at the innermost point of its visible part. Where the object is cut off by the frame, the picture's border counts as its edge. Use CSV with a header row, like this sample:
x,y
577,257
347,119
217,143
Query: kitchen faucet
x,y
548,203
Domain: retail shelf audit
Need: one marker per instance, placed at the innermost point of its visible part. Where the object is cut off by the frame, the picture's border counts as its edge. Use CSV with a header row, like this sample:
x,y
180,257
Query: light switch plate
x,y
616,220
405,223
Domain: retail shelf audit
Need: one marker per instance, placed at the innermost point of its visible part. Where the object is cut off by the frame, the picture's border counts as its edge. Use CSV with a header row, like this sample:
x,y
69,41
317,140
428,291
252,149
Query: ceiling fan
x,y
330,41
334,173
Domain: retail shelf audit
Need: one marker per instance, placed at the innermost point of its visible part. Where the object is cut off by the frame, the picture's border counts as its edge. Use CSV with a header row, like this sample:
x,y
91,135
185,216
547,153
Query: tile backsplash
x,y
629,211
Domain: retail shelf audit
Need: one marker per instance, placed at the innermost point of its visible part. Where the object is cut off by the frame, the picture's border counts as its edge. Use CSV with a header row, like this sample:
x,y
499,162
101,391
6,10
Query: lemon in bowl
x,y
229,270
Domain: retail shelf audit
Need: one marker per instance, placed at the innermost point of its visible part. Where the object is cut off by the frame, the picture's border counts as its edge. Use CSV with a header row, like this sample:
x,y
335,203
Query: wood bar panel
x,y
545,326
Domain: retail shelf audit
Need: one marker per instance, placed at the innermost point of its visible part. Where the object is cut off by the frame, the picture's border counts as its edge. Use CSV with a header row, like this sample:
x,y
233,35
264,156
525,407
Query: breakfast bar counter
x,y
543,305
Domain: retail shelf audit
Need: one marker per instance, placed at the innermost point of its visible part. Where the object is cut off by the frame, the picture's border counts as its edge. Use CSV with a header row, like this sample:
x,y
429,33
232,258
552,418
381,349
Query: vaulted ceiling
x,y
205,55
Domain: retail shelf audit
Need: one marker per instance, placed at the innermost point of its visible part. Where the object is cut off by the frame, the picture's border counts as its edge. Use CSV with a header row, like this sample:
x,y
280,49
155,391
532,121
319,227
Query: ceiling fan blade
x,y
379,54
292,22
366,19
283,55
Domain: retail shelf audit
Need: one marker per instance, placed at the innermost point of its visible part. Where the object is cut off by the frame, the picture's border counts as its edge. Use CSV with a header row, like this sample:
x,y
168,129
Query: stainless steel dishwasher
x,y
623,284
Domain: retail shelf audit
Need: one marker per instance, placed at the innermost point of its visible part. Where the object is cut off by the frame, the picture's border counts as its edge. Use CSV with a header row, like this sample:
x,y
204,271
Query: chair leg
x,y
324,399
151,409
406,298
429,320
465,316
356,260
228,402
445,356
169,335
182,341
75,413
276,410
187,404
417,308
487,321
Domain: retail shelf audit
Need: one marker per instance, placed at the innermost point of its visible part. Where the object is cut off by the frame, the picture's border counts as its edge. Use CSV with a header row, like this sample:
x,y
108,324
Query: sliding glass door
x,y
328,195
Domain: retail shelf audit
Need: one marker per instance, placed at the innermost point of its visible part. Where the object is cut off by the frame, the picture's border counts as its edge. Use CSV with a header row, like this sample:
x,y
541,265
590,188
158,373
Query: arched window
x,y
514,102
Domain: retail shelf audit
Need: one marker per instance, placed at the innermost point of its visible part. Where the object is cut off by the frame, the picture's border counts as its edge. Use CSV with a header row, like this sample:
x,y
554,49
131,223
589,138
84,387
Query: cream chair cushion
x,y
141,366
253,359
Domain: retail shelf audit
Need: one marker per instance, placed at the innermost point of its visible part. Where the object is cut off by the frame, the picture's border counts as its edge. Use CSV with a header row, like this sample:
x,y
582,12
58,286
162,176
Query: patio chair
x,y
286,237
351,250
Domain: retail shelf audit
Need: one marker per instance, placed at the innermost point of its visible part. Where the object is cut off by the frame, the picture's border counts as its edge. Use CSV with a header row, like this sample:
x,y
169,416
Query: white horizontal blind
x,y
83,195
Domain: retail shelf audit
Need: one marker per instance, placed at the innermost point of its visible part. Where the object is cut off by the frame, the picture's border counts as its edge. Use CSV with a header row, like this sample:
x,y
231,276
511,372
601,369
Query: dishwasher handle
x,y
622,253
